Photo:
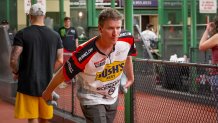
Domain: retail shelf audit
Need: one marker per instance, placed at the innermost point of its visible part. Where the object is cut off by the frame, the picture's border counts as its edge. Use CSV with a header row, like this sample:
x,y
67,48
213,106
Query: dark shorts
x,y
100,113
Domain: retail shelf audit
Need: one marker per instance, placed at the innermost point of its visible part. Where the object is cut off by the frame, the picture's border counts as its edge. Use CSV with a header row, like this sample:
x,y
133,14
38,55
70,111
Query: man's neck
x,y
38,24
66,26
103,47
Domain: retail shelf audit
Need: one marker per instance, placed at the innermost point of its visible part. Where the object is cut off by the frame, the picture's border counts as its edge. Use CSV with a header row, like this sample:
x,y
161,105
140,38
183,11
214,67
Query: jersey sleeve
x,y
126,36
79,59
132,51
18,39
71,69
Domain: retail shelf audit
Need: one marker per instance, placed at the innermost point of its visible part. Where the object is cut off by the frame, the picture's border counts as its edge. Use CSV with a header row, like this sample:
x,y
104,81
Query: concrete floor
x,y
7,113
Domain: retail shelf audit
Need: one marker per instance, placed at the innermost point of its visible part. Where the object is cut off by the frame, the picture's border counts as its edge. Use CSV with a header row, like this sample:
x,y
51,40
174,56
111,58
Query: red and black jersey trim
x,y
127,37
79,59
85,51
70,69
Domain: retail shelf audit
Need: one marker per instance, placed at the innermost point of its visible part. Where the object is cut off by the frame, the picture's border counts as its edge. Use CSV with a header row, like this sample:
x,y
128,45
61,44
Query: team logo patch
x,y
111,71
100,63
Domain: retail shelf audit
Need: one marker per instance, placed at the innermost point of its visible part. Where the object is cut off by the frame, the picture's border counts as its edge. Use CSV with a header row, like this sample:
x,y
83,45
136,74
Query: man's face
x,y
110,31
67,23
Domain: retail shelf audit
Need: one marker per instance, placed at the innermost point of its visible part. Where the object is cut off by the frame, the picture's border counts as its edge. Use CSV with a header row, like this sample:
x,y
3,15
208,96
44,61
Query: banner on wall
x,y
27,5
208,6
143,3
98,3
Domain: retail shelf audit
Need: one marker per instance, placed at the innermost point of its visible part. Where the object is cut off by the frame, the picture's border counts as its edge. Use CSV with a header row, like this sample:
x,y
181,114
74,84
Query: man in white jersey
x,y
99,64
148,35
150,39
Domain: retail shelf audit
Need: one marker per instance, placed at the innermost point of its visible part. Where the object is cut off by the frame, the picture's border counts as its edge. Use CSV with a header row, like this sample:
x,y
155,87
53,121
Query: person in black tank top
x,y
37,52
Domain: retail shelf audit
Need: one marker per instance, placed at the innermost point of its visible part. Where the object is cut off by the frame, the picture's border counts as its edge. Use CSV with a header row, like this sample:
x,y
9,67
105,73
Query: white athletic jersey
x,y
149,35
98,74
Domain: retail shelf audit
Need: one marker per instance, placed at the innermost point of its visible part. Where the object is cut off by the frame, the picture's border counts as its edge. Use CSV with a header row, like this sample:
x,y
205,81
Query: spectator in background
x,y
149,36
150,40
11,33
209,40
69,38
36,53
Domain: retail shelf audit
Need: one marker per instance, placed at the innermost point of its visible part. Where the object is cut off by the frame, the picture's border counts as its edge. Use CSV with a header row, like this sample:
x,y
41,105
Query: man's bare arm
x,y
56,80
128,69
59,59
15,54
77,43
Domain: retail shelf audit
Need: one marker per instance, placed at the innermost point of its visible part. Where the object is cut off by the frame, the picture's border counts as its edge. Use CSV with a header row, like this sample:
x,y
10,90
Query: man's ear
x,y
99,29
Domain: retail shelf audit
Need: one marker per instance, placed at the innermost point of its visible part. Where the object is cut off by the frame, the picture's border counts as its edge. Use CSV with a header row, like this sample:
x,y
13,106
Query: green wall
x,y
12,12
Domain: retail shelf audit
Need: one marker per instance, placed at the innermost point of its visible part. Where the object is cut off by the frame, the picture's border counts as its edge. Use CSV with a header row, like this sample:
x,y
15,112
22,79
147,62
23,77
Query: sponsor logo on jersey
x,y
100,63
85,54
111,71
110,87
69,67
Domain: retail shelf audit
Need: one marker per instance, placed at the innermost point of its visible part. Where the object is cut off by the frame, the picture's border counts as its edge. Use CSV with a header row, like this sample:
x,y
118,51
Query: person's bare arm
x,y
128,69
59,60
205,42
56,80
15,54
77,43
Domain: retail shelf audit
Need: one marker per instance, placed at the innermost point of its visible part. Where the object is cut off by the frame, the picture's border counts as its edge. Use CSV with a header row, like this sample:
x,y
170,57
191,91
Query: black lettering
x,y
115,69
121,65
110,71
104,73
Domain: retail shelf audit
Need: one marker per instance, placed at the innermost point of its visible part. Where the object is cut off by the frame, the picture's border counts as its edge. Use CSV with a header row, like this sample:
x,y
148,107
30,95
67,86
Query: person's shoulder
x,y
145,31
19,33
61,28
27,28
125,33
72,28
50,31
31,28
126,36
55,32
85,50
153,33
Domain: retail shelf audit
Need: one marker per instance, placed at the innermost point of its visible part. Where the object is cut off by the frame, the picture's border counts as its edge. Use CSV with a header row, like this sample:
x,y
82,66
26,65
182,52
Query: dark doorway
x,y
145,21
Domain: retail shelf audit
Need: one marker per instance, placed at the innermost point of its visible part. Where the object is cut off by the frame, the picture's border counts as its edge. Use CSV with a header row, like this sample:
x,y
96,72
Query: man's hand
x,y
47,95
128,84
210,26
15,77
